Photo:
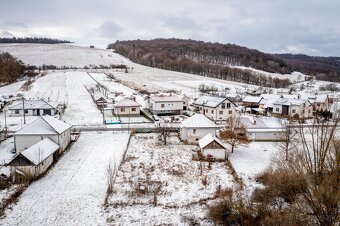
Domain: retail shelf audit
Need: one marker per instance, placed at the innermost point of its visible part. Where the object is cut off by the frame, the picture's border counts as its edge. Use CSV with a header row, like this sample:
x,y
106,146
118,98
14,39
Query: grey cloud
x,y
109,29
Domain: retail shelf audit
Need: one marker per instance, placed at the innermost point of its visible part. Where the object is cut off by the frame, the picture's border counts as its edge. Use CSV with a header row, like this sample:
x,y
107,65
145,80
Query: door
x,y
285,109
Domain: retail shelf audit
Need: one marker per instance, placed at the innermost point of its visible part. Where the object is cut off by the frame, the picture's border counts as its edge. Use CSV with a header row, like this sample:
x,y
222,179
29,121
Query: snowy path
x,y
73,191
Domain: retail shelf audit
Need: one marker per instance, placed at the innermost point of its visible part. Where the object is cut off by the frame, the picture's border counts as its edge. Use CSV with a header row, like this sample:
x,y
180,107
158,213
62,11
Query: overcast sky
x,y
275,26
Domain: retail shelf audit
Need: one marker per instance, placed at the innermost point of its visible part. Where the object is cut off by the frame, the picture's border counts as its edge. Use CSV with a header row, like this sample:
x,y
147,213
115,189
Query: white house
x,y
215,108
186,102
263,128
41,128
165,104
293,107
127,107
212,147
196,127
32,108
33,161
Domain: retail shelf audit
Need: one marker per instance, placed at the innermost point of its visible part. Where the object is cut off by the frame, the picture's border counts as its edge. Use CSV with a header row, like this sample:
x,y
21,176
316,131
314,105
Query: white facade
x,y
193,135
31,112
293,108
23,142
215,108
160,105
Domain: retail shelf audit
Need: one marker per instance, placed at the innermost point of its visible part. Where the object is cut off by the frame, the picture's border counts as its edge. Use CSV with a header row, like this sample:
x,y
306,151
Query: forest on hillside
x,y
323,68
33,40
205,59
219,60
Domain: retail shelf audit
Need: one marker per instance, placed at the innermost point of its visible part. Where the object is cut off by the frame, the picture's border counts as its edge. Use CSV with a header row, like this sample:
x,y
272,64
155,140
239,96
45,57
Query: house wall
x,y
23,142
215,153
33,171
169,107
127,111
218,113
64,140
188,134
264,135
306,111
30,112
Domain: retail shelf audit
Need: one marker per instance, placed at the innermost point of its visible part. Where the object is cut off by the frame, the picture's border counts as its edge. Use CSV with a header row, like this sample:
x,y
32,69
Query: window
x,y
221,112
206,110
133,109
212,111
277,109
122,109
228,105
223,106
162,105
230,112
26,111
293,111
16,112
194,131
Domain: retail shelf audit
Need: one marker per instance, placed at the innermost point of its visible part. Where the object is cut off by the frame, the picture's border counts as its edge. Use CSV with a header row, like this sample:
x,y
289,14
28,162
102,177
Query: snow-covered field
x,y
61,55
174,182
73,192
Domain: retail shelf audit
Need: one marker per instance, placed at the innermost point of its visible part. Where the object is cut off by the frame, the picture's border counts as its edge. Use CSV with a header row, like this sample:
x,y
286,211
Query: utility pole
x,y
5,111
23,109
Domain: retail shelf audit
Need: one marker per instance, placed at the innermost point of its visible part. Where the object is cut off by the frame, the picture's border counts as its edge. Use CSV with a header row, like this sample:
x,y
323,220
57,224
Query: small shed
x,y
33,161
212,147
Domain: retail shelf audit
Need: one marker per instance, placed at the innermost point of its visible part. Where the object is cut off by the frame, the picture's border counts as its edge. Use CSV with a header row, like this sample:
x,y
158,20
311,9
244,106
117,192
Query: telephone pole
x,y
23,109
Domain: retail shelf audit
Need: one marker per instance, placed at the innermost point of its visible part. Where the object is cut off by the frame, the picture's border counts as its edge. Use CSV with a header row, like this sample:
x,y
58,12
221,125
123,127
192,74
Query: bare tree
x,y
288,138
234,133
164,130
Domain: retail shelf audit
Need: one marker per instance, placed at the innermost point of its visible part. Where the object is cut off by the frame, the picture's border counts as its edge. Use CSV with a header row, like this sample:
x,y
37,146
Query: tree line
x,y
10,68
33,40
205,59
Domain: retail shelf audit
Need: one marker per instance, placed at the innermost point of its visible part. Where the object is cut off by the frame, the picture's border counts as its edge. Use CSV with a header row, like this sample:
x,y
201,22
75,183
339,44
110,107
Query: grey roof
x,y
32,104
210,101
44,125
252,99
127,103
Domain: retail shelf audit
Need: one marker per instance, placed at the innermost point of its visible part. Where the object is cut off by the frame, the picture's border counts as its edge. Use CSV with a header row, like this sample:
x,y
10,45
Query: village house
x,y
196,127
297,108
321,103
212,148
165,104
33,161
215,108
186,102
41,128
32,108
263,128
127,107
252,104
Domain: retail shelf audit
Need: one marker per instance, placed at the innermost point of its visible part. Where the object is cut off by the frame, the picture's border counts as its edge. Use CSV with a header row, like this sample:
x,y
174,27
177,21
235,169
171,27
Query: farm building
x,y
32,108
196,127
263,128
212,147
41,128
165,104
127,107
33,161
215,108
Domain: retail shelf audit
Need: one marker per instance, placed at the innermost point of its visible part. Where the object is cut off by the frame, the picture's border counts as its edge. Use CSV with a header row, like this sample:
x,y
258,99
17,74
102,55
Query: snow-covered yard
x,y
73,192
162,184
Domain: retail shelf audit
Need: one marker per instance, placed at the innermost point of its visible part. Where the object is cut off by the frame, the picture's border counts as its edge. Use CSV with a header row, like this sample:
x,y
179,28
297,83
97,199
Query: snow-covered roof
x,y
164,98
287,101
252,99
44,125
210,101
40,151
198,121
321,98
127,103
207,139
267,102
271,96
250,122
32,104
